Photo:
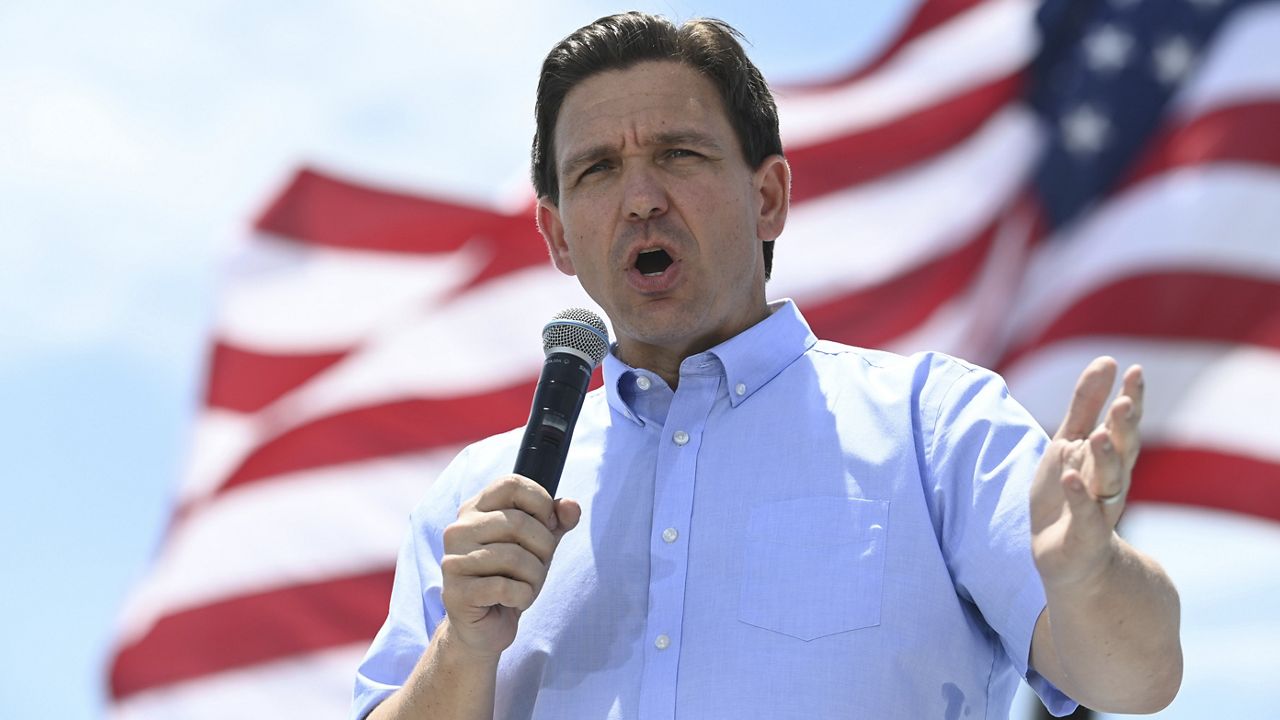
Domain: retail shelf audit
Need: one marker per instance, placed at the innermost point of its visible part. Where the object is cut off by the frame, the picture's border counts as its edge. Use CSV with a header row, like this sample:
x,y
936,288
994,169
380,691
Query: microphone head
x,y
577,331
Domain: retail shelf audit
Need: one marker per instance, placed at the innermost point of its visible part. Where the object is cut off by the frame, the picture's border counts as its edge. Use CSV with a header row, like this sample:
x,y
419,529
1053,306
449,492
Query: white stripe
x,y
1206,218
288,297
1240,64
990,41
315,685
1200,395
295,529
222,440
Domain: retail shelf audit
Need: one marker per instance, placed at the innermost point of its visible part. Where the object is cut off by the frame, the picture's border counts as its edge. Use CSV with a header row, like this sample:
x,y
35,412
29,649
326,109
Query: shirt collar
x,y
749,360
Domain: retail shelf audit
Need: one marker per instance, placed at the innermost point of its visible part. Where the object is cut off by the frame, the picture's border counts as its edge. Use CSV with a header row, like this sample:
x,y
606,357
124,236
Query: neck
x,y
664,358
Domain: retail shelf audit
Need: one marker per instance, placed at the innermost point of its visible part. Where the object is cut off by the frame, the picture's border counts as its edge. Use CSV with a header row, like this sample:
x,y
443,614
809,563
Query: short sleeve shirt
x,y
801,529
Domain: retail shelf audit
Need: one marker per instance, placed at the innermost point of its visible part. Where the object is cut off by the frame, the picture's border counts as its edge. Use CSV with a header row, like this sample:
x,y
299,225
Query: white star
x,y
1085,130
1173,58
1108,48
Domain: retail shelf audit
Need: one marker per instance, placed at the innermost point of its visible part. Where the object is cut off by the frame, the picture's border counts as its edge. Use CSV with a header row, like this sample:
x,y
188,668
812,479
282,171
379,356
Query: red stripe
x,y
391,428
1208,478
872,316
253,629
1243,133
858,157
247,381
929,15
1183,305
325,211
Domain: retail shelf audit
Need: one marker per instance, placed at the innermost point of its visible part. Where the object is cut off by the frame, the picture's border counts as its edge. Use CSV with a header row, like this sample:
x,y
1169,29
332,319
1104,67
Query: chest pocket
x,y
814,566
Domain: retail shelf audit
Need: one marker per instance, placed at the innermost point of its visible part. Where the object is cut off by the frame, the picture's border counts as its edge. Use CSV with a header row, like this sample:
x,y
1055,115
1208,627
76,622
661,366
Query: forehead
x,y
621,107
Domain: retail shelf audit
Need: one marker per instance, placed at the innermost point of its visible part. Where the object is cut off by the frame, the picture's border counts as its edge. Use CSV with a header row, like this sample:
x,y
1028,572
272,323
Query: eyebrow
x,y
668,138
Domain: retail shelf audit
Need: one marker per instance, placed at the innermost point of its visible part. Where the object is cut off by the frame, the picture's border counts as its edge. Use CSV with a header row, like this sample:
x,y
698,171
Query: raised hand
x,y
1081,485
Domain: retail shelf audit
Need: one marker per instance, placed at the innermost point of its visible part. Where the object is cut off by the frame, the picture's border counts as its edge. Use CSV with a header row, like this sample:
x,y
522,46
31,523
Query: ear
x,y
552,231
772,182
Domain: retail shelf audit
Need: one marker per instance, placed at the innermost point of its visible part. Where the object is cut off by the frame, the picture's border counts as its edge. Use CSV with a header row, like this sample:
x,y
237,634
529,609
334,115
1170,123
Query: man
x,y
753,522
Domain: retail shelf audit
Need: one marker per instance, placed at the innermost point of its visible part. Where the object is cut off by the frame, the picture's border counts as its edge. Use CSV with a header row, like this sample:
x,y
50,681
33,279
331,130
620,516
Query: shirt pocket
x,y
814,566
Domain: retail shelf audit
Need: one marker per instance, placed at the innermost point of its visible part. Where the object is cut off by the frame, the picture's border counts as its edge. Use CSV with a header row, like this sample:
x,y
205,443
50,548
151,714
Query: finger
x,y
481,592
1088,399
477,529
498,560
1122,425
1135,388
517,491
1106,474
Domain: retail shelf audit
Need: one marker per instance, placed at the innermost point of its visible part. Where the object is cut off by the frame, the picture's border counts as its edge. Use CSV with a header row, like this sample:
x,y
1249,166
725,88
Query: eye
x,y
595,168
682,153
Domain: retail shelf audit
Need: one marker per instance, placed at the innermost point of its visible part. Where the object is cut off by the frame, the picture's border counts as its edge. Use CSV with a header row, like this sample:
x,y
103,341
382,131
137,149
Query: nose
x,y
644,196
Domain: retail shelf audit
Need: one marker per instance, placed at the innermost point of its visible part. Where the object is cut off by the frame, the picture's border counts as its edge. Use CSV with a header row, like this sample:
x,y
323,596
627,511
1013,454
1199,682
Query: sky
x,y
137,142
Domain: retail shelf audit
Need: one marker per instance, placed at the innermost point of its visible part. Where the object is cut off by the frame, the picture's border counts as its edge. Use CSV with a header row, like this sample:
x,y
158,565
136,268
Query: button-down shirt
x,y
801,529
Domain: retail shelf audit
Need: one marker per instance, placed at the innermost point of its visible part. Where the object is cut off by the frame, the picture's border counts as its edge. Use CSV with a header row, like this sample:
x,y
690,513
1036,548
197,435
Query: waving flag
x,y
1022,186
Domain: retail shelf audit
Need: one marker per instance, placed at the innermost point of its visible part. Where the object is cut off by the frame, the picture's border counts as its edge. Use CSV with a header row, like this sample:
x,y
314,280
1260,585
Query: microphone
x,y
575,342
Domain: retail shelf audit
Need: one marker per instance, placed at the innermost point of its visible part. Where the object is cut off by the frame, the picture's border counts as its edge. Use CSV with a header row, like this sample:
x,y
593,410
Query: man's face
x,y
660,217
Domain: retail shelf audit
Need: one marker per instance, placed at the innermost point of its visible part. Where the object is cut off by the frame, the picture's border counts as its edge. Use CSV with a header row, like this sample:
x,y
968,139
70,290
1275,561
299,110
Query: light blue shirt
x,y
801,530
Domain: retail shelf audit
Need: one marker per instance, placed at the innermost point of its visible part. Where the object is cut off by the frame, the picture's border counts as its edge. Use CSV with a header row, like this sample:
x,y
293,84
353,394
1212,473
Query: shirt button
x,y
680,437
643,383
662,642
741,389
670,534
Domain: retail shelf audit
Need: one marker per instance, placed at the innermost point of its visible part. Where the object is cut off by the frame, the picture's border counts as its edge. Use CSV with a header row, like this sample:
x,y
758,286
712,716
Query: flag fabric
x,y
1023,186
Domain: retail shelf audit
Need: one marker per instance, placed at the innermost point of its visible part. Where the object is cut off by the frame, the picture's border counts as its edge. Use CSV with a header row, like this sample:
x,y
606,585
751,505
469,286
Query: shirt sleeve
x,y
983,449
416,606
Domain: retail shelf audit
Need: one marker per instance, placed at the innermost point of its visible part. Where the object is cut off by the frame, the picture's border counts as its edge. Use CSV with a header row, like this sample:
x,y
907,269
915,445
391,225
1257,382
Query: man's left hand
x,y
1081,485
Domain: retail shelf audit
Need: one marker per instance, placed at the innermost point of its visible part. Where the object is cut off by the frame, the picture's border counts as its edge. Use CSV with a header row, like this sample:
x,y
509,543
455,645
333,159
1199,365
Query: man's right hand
x,y
496,557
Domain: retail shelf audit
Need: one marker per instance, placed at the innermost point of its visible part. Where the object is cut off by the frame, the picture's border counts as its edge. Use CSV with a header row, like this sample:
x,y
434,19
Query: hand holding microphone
x,y
497,553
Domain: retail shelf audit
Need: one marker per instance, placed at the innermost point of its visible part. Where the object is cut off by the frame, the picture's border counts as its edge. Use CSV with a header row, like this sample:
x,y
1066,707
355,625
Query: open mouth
x,y
653,262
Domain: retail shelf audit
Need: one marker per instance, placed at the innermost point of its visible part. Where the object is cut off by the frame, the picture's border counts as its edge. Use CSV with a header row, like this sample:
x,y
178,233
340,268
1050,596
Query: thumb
x,y
568,513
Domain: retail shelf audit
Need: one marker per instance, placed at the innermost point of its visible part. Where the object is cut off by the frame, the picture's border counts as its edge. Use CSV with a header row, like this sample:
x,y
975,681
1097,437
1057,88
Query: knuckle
x,y
453,564
520,594
454,533
509,482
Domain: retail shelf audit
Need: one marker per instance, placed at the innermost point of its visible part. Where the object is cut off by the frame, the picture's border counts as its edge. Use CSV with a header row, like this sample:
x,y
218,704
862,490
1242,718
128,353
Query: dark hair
x,y
617,42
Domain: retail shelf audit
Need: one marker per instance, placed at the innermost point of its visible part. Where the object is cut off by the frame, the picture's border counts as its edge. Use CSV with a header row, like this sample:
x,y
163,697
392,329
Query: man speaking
x,y
753,522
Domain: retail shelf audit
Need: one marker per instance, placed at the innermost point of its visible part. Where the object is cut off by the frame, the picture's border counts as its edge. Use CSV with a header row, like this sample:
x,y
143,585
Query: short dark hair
x,y
620,41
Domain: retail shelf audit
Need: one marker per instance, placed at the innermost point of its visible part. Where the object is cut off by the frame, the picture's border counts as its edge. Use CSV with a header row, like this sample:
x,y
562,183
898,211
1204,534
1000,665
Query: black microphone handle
x,y
556,404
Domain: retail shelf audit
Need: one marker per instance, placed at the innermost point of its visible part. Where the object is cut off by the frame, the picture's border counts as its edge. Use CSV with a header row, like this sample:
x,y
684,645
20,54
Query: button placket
x,y
672,508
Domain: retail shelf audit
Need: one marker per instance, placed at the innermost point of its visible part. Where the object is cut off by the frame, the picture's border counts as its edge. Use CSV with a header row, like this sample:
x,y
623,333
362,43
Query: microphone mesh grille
x,y
578,329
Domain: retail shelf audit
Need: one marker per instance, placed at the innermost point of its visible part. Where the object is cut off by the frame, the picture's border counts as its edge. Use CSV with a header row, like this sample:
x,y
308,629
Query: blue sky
x,y
137,141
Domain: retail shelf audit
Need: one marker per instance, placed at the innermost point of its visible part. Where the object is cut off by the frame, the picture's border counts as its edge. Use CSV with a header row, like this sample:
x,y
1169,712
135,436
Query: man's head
x,y
620,41
646,192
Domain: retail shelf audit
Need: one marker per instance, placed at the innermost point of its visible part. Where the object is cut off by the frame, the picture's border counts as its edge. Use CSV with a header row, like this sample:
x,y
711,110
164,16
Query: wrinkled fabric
x,y
801,529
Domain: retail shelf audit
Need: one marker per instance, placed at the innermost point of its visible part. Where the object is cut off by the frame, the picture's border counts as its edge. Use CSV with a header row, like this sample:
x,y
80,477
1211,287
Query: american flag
x,y
1022,185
